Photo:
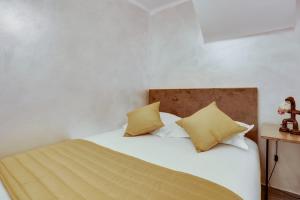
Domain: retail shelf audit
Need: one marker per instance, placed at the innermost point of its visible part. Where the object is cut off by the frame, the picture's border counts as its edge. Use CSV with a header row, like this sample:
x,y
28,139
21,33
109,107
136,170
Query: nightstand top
x,y
271,132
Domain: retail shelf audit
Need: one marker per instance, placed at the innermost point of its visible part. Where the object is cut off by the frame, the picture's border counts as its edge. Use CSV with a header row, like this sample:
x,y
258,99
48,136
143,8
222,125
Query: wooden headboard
x,y
239,103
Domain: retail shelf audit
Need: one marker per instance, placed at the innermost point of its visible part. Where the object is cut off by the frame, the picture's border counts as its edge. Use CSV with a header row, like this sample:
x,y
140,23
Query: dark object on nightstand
x,y
292,119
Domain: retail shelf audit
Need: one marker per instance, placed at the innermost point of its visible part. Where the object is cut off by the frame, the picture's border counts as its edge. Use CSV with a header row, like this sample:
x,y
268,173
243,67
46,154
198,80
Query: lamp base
x,y
295,132
284,129
287,130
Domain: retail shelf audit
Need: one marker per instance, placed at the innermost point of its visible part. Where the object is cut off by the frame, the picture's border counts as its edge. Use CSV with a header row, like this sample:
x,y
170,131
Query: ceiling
x,y
153,6
236,18
226,19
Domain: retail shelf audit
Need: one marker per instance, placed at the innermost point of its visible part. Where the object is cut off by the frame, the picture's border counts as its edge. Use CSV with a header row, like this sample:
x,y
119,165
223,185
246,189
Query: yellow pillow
x,y
209,126
144,120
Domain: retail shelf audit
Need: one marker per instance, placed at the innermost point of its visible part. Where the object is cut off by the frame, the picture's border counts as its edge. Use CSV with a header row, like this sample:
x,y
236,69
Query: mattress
x,y
233,168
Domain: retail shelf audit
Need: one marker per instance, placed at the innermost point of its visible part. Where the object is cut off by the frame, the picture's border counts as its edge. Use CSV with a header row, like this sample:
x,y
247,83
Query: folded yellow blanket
x,y
78,169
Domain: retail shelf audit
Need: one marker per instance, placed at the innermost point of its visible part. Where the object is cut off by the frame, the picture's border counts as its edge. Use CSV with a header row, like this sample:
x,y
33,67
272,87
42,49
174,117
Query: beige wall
x,y
68,68
270,62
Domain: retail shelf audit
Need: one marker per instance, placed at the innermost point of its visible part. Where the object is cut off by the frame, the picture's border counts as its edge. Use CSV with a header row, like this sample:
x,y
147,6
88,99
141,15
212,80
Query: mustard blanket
x,y
81,170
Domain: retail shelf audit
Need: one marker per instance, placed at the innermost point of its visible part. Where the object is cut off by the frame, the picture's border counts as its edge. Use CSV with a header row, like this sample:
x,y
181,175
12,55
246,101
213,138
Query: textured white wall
x,y
68,68
175,40
270,62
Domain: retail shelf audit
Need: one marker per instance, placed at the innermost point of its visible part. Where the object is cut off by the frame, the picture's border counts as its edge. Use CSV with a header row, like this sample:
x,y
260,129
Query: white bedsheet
x,y
236,169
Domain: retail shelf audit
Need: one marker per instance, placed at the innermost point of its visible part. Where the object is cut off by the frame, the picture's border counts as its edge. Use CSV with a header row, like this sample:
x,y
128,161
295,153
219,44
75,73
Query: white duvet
x,y
234,168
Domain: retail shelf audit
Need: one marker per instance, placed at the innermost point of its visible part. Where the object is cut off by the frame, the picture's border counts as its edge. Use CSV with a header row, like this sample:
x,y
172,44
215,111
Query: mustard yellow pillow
x,y
209,126
144,120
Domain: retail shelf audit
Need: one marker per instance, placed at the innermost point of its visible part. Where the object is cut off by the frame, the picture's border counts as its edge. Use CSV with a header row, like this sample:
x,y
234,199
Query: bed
x,y
236,169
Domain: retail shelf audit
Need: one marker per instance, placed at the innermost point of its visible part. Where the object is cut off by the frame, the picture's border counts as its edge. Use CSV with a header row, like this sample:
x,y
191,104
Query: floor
x,y
279,195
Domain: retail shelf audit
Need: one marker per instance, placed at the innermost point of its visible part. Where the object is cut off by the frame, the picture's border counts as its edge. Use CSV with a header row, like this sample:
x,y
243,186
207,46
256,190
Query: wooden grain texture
x,y
271,132
239,103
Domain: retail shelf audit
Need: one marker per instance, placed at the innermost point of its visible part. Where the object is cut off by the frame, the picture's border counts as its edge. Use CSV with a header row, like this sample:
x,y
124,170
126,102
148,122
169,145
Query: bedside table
x,y
271,132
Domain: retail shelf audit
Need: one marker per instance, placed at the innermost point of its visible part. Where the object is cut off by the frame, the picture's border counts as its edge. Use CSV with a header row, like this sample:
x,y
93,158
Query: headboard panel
x,y
239,103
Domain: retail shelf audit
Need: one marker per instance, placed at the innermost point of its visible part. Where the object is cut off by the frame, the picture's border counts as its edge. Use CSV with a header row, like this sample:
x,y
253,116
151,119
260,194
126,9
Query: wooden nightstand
x,y
271,132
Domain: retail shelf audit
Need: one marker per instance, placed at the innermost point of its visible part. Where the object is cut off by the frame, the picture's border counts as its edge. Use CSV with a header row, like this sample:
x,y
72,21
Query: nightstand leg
x,y
267,171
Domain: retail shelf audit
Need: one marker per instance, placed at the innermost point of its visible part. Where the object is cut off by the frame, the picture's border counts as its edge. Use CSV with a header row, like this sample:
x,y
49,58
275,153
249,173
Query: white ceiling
x,y
226,19
153,6
236,18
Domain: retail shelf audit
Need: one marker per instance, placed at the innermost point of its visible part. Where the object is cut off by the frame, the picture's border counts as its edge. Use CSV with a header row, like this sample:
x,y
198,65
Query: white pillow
x,y
175,131
239,139
171,129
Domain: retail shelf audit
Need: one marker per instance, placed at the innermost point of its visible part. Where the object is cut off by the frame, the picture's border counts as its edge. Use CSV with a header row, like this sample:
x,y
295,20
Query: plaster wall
x,y
270,62
68,68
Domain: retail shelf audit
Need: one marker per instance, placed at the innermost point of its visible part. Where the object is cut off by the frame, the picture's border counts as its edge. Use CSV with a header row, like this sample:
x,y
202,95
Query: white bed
x,y
236,169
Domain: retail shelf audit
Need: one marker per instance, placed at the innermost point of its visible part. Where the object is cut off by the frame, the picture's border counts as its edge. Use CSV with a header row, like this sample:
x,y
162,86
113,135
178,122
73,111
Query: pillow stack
x,y
206,128
209,126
